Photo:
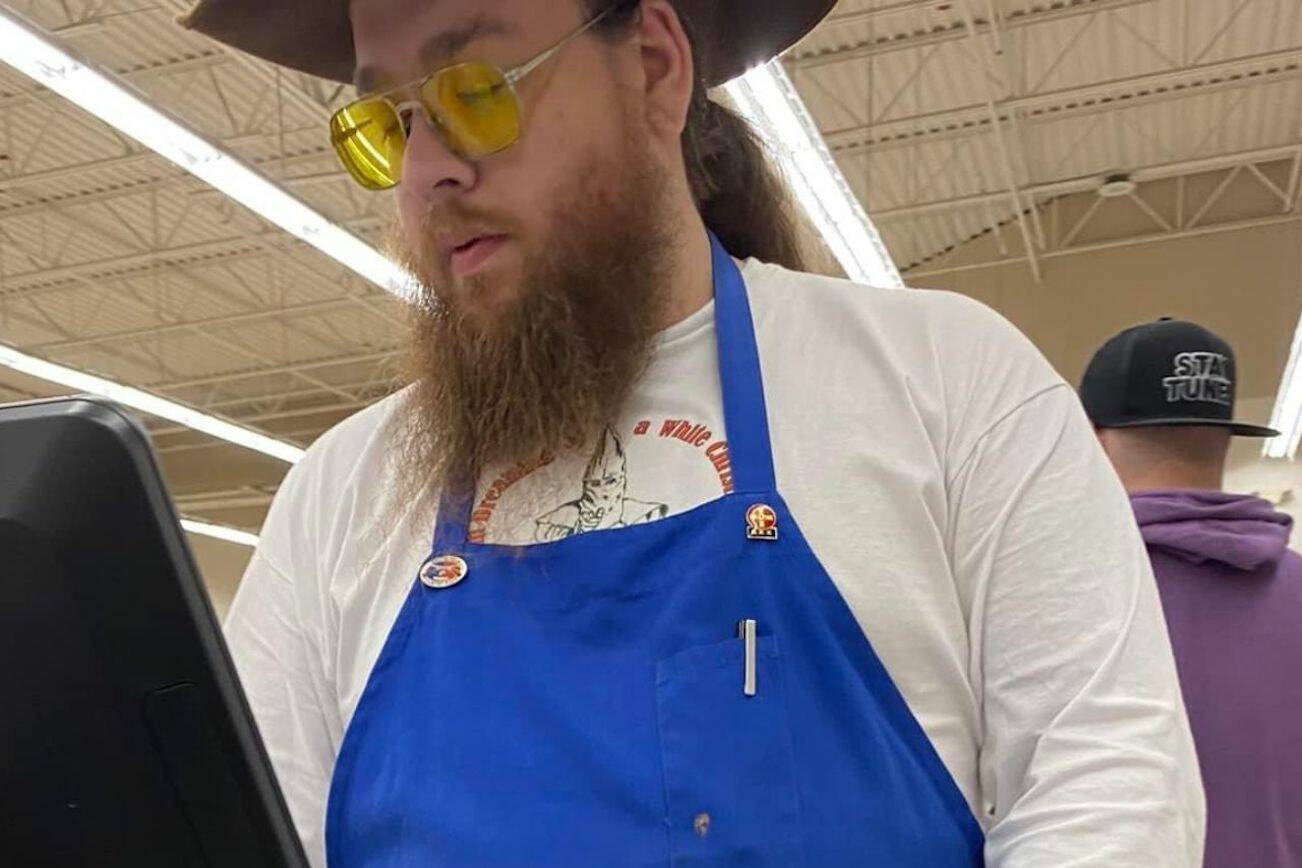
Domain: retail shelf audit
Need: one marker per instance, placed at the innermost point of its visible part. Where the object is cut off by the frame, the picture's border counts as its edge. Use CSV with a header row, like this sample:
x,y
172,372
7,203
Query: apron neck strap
x,y
744,413
452,524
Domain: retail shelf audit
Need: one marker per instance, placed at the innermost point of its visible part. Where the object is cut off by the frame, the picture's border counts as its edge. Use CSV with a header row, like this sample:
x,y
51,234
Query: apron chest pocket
x,y
730,784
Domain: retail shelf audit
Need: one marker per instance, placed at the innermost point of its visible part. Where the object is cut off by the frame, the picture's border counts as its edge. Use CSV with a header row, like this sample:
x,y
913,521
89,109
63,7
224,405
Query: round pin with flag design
x,y
443,571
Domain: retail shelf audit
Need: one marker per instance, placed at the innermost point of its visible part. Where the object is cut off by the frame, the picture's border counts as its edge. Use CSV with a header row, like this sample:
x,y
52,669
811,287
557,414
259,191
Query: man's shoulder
x,y
871,358
354,448
361,431
340,474
916,333
903,314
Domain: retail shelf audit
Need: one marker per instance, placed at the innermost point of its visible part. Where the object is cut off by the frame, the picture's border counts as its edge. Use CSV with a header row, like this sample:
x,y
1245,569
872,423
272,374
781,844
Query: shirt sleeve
x,y
275,630
1086,758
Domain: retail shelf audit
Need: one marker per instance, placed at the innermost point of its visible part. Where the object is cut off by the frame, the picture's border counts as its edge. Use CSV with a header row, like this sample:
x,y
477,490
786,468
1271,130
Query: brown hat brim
x,y
315,36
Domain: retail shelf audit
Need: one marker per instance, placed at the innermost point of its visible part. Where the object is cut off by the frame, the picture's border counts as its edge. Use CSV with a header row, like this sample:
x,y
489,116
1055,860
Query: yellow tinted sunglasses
x,y
472,106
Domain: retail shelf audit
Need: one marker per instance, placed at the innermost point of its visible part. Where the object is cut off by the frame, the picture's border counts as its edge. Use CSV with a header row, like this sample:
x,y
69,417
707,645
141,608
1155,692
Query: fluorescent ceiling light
x,y
23,47
218,531
146,402
767,98
1287,415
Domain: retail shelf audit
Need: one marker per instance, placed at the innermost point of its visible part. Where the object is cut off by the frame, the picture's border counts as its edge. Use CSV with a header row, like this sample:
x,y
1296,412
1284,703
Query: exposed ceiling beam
x,y
1110,95
109,266
226,342
249,244
380,385
174,180
148,157
1089,182
148,269
302,436
885,10
950,30
258,420
229,499
1146,238
135,74
156,331
13,393
1011,180
248,374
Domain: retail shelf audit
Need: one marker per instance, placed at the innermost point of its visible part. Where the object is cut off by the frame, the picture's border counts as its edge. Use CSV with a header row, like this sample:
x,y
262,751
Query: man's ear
x,y
667,65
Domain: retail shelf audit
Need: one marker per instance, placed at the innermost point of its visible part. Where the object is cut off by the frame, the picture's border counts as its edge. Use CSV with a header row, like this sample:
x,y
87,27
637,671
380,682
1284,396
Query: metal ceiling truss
x,y
1051,106
911,37
236,498
1051,189
991,142
1172,215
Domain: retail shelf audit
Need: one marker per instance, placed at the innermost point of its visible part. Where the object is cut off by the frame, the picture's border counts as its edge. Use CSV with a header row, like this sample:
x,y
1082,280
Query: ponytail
x,y
738,192
740,195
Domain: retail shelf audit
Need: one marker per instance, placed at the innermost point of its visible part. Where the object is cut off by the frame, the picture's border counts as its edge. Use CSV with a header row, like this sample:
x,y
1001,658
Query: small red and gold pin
x,y
761,522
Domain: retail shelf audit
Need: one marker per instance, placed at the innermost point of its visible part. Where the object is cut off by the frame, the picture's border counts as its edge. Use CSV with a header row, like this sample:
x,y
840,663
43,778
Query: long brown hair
x,y
739,193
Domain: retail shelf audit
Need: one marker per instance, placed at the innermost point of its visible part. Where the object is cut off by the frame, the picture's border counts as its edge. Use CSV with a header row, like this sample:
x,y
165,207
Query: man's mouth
x,y
471,254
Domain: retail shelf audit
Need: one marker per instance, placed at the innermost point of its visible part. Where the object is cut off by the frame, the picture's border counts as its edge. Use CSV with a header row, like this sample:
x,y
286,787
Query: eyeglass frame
x,y
509,76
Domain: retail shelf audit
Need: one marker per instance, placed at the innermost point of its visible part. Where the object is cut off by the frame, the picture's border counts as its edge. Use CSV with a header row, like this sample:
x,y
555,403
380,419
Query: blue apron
x,y
585,702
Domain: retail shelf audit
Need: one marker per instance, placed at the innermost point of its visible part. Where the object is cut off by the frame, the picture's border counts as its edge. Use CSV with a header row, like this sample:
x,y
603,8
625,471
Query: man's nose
x,y
430,168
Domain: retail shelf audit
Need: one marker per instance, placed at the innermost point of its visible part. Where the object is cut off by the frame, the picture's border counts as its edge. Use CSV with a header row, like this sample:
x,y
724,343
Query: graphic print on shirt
x,y
637,472
604,503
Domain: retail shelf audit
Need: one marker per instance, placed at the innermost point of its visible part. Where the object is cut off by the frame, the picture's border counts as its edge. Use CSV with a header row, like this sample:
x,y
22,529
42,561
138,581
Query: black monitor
x,y
125,739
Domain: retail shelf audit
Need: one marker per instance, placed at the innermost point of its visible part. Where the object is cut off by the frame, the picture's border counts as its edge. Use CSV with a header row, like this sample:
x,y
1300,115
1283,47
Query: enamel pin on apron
x,y
761,522
443,571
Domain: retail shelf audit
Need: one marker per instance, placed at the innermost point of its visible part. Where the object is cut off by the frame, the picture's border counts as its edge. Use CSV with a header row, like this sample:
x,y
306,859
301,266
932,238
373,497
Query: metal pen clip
x,y
746,632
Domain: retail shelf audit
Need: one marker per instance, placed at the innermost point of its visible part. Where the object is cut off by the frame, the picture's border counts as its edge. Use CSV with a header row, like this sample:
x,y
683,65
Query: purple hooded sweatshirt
x,y
1232,593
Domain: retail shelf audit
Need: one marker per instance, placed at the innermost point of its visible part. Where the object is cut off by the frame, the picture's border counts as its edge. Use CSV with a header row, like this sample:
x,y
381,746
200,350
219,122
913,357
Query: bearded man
x,y
896,611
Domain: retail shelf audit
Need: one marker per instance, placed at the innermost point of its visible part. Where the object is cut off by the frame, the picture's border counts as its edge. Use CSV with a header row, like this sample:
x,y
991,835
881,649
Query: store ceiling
x,y
955,122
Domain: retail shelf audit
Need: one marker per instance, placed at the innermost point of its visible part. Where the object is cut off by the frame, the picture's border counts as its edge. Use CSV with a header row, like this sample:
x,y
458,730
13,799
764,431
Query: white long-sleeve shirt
x,y
944,476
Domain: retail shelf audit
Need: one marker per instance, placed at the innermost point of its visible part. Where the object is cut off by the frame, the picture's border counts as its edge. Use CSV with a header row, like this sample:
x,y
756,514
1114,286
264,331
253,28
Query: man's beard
x,y
544,375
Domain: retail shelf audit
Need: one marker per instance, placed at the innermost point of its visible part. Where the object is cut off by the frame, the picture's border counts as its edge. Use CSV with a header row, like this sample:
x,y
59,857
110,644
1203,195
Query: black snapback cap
x,y
1167,372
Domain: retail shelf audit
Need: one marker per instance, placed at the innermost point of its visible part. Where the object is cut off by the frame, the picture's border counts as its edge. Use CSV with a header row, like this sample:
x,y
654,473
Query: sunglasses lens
x,y
475,107
369,137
